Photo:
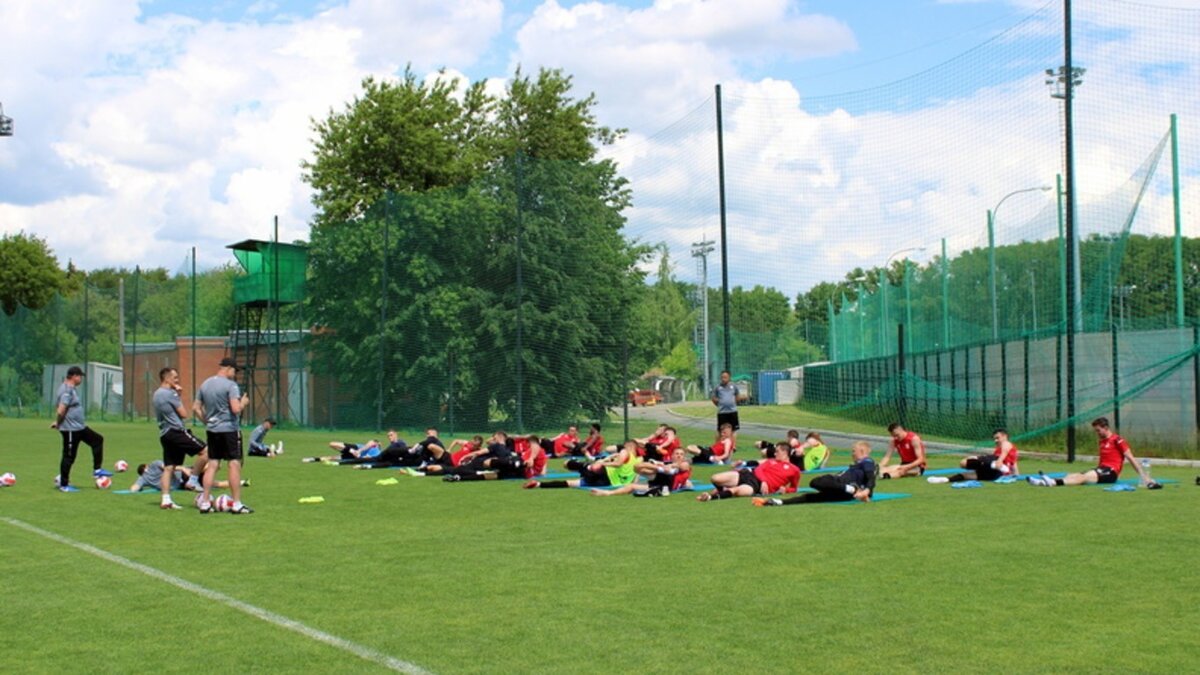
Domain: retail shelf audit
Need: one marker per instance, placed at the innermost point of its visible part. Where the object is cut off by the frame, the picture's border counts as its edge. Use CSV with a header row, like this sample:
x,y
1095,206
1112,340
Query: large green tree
x,y
479,225
29,273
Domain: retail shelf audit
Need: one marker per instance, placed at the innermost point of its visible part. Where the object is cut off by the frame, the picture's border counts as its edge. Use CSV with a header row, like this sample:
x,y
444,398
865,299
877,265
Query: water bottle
x,y
1146,468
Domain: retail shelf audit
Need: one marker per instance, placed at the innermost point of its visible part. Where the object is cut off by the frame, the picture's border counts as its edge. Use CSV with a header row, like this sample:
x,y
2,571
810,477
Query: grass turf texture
x,y
486,577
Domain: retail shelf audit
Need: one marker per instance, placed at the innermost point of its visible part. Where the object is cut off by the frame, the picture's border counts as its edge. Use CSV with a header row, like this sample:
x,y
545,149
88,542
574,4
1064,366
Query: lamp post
x,y
883,279
700,250
991,221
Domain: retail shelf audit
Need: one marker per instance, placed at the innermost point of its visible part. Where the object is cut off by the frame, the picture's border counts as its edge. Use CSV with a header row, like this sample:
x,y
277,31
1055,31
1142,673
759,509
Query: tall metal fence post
x,y
195,301
902,404
1179,308
724,238
1072,248
1116,377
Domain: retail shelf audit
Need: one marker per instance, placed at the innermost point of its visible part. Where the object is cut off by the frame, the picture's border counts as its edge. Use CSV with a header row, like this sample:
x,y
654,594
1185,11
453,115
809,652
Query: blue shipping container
x,y
765,385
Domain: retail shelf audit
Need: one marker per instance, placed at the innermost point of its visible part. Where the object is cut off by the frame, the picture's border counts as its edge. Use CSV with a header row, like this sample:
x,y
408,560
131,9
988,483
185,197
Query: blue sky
x,y
147,127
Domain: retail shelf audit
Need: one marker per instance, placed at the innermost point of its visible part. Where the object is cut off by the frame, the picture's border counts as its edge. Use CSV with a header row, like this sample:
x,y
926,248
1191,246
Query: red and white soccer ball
x,y
8,480
224,503
103,483
121,466
199,500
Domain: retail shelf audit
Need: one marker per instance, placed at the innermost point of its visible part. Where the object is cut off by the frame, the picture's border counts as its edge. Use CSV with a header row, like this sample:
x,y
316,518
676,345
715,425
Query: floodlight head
x,y
6,123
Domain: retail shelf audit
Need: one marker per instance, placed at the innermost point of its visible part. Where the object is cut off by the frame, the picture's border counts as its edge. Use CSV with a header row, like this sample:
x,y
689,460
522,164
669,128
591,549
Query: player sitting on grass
x,y
856,482
258,437
616,469
911,450
150,478
773,475
1002,462
1114,452
663,478
593,445
720,452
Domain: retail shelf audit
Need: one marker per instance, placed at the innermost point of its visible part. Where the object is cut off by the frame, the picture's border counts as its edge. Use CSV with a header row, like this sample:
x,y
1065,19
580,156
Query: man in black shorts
x,y
218,403
177,442
726,397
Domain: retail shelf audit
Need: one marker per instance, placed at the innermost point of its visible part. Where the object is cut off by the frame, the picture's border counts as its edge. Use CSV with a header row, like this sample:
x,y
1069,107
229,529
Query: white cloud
x,y
136,138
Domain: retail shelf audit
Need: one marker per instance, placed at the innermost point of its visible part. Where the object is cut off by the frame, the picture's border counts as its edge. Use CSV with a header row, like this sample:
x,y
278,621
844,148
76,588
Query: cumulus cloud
x,y
138,136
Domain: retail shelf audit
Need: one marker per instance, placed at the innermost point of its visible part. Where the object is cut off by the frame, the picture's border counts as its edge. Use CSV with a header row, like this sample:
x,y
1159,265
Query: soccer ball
x,y
199,500
7,480
58,481
103,483
121,466
224,503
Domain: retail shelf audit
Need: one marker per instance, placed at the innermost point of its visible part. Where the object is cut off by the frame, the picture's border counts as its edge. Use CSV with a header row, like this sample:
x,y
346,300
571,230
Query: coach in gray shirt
x,y
218,403
726,397
70,423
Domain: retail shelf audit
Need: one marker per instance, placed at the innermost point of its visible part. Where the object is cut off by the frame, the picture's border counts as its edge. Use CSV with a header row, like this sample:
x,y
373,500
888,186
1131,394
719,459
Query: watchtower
x,y
274,277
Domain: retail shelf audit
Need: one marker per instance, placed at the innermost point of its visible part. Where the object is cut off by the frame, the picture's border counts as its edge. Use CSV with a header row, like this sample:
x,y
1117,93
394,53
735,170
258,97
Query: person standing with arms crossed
x,y
726,397
218,403
70,423
177,442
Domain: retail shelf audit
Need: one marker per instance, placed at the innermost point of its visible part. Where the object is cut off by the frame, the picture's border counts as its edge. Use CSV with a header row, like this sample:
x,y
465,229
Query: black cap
x,y
75,370
228,362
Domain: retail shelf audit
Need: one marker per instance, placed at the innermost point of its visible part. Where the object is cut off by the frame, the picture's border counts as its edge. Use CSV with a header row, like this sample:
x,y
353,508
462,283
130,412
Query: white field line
x,y
257,612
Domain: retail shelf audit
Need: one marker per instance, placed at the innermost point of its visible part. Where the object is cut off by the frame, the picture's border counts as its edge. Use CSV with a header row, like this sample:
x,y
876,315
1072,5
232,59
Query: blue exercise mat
x,y
877,497
943,472
696,487
145,490
1123,481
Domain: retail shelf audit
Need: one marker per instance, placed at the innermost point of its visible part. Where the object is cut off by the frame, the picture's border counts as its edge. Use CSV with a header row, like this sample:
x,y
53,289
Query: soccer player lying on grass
x,y
663,478
430,451
661,449
348,451
808,455
1114,452
465,447
653,440
911,450
856,482
150,477
769,477
1002,462
496,460
720,452
593,445
566,443
616,469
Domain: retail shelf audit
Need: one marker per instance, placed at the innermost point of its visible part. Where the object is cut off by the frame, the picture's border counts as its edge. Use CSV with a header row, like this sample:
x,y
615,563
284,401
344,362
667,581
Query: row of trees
x,y
54,314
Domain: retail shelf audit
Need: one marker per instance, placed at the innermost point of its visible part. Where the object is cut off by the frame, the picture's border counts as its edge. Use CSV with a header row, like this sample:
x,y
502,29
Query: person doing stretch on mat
x,y
856,482
350,451
150,478
1114,452
458,448
772,475
616,469
807,455
662,479
911,449
720,452
1002,462
654,439
662,450
566,443
496,460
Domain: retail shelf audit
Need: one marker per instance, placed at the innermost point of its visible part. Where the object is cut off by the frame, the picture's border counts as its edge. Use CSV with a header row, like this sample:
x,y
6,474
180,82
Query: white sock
x,y
237,506
166,499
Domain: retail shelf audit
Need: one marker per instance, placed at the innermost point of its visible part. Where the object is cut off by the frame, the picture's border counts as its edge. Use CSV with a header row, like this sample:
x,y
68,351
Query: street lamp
x,y
907,301
992,252
6,123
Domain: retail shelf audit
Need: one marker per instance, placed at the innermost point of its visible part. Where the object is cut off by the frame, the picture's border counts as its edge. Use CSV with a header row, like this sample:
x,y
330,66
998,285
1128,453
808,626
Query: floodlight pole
x,y
724,238
1073,271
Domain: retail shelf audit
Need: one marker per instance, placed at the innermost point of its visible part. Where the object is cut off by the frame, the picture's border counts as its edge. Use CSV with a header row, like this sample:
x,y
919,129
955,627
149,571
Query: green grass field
x,y
486,577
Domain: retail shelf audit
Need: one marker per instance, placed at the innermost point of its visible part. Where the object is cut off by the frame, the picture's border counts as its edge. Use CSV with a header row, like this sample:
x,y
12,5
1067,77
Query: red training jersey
x,y
723,449
1112,452
776,475
594,445
680,479
561,443
907,447
467,448
532,455
1011,460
